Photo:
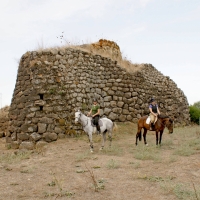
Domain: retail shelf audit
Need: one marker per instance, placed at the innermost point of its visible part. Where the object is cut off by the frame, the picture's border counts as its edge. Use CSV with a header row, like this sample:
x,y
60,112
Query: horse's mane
x,y
162,116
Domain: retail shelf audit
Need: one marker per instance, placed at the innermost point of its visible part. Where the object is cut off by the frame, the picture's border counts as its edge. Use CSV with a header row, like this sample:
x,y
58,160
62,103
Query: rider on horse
x,y
95,111
154,112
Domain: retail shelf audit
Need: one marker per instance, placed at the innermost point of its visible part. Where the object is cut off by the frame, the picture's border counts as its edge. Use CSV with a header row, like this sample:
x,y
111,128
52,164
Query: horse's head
x,y
77,116
169,124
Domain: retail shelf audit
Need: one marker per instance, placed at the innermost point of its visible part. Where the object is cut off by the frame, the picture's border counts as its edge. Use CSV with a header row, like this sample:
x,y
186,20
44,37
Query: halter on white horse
x,y
89,129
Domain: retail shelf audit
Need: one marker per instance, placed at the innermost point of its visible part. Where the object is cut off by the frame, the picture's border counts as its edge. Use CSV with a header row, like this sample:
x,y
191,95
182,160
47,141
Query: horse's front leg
x,y
160,139
156,138
144,136
91,143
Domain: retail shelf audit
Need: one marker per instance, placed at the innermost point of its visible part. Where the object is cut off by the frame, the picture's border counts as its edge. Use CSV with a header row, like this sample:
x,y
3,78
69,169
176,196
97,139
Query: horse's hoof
x,y
91,151
146,144
101,149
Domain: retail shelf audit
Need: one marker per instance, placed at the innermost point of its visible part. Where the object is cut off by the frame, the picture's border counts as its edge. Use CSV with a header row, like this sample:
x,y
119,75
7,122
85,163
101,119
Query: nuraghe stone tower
x,y
52,83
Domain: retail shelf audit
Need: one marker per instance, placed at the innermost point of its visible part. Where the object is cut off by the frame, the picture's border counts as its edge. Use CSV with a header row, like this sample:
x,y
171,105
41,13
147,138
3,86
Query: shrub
x,y
197,105
194,114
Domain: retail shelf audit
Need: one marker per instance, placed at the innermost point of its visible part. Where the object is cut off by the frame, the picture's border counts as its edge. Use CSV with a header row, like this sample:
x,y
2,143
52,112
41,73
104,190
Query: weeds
x,y
148,153
195,191
136,165
58,183
97,184
24,171
15,157
184,150
180,190
53,183
112,164
93,178
183,192
83,156
113,151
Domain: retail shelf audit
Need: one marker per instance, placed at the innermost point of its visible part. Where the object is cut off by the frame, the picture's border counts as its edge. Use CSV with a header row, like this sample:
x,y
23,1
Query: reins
x,y
81,121
163,123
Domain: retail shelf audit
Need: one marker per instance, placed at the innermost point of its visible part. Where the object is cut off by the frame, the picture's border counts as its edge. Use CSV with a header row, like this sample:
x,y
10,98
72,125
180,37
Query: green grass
x,y
148,153
184,150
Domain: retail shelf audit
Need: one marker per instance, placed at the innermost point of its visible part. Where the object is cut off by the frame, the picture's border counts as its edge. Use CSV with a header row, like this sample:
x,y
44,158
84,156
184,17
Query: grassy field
x,y
66,169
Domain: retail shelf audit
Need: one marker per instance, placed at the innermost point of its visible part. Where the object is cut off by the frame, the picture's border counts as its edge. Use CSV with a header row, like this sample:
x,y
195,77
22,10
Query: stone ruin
x,y
3,121
51,83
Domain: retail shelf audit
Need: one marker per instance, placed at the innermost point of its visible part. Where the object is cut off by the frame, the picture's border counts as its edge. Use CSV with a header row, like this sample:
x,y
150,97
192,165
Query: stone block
x,y
129,117
127,95
27,145
61,135
107,111
112,116
120,104
113,104
32,128
40,144
23,136
134,94
14,145
59,130
35,137
46,120
122,118
49,137
42,127
108,98
125,111
40,102
117,110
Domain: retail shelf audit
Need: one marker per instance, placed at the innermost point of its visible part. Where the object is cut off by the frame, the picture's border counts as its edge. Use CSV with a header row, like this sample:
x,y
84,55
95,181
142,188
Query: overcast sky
x,y
165,33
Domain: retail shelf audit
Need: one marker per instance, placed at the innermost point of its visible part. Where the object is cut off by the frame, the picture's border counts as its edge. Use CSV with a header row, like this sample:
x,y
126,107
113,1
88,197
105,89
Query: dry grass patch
x,y
114,150
113,164
148,153
183,191
104,48
13,157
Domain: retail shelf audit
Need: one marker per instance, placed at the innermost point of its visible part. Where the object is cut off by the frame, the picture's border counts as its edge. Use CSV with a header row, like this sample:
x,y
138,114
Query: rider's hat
x,y
152,100
94,100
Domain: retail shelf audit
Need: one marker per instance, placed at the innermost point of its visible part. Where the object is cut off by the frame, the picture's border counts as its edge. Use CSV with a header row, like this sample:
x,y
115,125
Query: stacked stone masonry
x,y
52,83
4,121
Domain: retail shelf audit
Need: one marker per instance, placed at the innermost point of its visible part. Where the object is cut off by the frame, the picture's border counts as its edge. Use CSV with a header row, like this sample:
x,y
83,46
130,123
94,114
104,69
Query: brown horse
x,y
161,123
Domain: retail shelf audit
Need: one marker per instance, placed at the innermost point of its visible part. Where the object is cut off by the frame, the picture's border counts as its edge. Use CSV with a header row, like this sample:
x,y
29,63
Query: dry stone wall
x,y
52,83
4,121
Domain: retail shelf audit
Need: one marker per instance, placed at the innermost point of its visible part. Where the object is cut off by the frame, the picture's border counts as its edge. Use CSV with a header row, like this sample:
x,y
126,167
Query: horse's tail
x,y
115,127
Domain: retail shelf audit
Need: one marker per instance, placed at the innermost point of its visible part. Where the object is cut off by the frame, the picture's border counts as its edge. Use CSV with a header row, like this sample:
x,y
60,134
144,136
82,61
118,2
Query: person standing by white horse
x,y
107,126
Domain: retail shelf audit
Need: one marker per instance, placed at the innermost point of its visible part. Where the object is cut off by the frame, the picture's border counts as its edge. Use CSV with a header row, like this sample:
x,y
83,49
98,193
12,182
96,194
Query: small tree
x,y
194,114
197,104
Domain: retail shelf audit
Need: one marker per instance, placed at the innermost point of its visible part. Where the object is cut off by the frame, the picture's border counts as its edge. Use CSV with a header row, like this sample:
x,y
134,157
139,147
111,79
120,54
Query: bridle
x,y
80,121
163,123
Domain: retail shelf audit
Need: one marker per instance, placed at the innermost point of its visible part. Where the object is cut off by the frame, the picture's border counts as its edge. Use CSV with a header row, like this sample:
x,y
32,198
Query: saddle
x,y
100,123
148,120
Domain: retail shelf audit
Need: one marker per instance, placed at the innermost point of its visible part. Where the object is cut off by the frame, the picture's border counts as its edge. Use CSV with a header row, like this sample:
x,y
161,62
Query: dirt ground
x,y
66,169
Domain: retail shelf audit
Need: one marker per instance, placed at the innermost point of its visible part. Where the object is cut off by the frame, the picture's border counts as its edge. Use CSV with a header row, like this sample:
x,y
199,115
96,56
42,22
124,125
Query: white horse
x,y
86,122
